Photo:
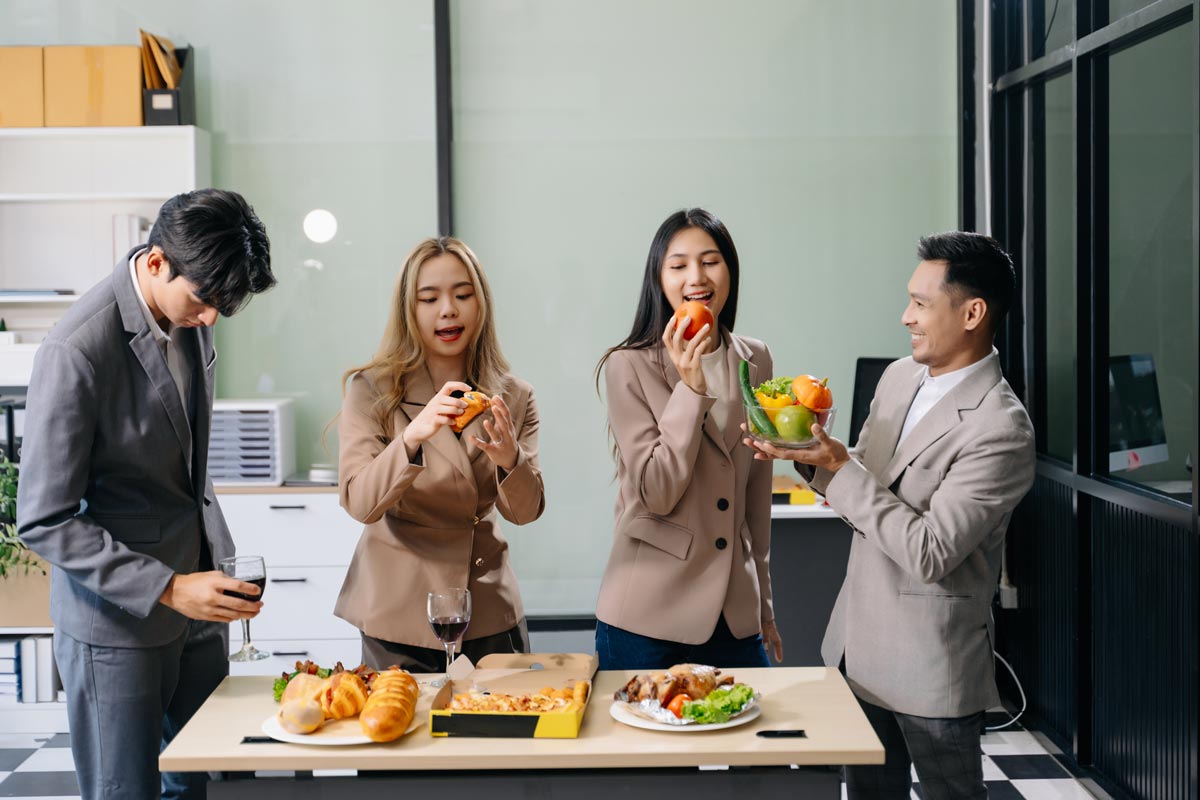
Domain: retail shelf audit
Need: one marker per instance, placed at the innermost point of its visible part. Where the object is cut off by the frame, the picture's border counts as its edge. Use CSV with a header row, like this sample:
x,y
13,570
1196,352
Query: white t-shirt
x,y
716,376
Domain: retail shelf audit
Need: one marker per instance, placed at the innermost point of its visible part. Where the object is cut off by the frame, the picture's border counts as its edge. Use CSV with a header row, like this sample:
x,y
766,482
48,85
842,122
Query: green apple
x,y
794,423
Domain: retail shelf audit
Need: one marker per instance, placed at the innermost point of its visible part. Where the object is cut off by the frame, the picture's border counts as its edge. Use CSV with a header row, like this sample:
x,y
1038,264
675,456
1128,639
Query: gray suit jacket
x,y
106,493
913,617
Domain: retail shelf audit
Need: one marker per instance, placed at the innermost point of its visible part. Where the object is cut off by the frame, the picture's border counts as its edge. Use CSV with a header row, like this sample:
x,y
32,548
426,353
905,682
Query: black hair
x,y
213,238
653,309
976,266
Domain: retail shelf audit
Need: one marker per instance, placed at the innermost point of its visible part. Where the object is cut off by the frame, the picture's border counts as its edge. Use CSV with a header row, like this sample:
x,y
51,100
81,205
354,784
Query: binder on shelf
x,y
9,648
45,670
28,682
8,665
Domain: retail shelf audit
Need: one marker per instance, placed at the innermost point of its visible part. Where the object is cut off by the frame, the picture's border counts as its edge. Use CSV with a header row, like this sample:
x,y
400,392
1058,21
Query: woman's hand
x,y
772,641
502,447
437,413
685,355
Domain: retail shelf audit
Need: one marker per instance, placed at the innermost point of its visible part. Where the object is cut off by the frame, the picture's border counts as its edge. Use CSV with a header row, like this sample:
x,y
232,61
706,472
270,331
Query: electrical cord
x,y
1016,680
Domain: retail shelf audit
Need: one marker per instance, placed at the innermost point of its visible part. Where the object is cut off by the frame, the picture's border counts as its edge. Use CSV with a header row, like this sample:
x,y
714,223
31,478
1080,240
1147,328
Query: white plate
x,y
331,734
621,713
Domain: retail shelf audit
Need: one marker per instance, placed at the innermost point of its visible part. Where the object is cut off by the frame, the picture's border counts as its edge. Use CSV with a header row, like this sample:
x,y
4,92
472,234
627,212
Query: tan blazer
x,y
431,524
913,617
693,511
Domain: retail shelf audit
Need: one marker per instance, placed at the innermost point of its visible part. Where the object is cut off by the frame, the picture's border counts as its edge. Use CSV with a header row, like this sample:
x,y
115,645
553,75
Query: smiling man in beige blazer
x,y
945,455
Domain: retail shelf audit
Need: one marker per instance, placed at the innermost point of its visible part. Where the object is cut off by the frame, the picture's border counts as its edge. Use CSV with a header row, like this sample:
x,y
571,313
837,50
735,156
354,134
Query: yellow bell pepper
x,y
771,405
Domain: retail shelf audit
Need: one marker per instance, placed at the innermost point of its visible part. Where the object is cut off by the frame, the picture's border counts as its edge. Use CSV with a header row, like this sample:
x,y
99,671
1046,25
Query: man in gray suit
x,y
945,455
114,492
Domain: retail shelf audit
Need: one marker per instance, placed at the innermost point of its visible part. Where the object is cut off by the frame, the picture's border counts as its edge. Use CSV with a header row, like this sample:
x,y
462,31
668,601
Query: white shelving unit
x,y
59,191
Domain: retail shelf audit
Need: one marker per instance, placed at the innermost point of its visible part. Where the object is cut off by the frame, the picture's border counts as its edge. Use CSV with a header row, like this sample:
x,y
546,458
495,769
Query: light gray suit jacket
x,y
106,493
913,617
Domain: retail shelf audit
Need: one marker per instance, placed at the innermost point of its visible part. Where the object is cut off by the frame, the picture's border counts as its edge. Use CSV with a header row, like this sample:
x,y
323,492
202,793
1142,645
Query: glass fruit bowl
x,y
792,424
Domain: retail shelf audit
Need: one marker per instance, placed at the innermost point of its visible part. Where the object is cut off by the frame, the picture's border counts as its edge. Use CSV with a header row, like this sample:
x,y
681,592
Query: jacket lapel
x,y
885,431
417,395
150,354
943,416
202,352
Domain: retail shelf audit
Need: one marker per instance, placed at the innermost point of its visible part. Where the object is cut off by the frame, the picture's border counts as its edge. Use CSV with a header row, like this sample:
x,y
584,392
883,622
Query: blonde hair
x,y
402,352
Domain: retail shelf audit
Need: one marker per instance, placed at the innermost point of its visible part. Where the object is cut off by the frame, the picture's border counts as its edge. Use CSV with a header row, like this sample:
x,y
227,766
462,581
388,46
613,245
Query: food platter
x,y
627,714
335,733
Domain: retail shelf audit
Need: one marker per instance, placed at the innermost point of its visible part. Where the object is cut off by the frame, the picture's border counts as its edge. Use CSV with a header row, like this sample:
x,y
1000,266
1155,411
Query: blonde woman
x,y
427,496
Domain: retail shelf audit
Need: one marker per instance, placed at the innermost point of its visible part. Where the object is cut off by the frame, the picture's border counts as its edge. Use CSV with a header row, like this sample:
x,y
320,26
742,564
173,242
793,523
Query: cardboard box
x,y
518,673
25,599
93,86
173,106
21,87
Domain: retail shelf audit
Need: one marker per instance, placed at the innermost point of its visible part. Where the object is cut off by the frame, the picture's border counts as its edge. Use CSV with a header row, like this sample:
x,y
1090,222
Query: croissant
x,y
391,706
344,696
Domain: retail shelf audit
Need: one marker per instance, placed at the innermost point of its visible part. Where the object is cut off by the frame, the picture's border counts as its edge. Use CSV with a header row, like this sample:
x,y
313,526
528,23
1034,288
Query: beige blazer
x,y
693,510
913,617
431,524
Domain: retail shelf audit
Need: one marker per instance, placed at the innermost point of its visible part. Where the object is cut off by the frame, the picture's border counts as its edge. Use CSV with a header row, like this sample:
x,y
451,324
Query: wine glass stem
x,y
246,635
449,658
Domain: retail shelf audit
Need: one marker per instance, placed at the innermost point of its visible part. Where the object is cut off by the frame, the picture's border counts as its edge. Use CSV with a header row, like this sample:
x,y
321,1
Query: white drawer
x,y
290,530
285,653
298,604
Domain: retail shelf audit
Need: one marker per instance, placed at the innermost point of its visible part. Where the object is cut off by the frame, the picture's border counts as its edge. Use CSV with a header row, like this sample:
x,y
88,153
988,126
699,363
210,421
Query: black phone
x,y
789,734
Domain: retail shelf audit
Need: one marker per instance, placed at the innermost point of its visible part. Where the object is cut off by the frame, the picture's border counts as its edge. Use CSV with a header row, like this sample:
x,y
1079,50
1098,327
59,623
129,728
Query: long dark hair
x,y
653,310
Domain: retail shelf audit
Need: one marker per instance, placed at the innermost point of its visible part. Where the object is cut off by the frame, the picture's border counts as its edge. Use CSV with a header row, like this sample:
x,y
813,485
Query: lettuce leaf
x,y
777,387
720,705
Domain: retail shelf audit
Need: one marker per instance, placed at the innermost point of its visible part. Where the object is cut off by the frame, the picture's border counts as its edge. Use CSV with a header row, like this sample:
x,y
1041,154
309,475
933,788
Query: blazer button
x,y
479,562
722,504
721,543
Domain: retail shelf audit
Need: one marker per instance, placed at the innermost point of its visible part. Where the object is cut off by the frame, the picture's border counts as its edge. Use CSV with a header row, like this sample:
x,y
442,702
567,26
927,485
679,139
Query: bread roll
x,y
301,716
391,706
344,696
303,686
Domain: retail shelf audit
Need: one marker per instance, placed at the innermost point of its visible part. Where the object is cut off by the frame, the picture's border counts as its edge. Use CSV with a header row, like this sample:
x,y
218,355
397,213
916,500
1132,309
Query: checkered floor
x,y
1014,766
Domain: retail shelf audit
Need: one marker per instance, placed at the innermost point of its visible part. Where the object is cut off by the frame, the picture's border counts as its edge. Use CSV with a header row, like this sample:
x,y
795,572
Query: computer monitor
x,y
867,373
1136,435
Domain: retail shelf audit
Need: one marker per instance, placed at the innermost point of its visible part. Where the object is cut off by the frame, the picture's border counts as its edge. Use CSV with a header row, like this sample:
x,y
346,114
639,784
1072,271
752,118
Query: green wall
x,y
823,133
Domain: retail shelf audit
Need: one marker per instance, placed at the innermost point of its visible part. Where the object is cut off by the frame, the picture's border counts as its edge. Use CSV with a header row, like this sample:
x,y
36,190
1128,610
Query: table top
x,y
814,699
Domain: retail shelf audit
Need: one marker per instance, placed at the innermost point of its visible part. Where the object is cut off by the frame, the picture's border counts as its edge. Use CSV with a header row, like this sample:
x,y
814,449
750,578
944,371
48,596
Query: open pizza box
x,y
514,674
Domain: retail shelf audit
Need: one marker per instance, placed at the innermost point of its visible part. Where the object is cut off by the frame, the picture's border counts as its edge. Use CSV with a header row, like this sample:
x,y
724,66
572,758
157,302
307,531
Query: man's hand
x,y
828,453
201,595
772,641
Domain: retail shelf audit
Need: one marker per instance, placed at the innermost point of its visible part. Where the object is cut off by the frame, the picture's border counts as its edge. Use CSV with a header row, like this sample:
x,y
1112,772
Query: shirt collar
x,y
156,329
949,380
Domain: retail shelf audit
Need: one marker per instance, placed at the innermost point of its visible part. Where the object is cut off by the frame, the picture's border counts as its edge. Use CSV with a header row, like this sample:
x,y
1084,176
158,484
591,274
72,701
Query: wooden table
x,y
607,757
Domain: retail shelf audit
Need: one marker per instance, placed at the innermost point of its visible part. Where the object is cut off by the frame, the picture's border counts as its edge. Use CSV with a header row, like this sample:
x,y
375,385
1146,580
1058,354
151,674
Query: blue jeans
x,y
621,649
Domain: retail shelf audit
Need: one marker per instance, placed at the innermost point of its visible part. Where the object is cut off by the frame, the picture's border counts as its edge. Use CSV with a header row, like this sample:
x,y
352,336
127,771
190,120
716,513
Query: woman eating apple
x,y
687,579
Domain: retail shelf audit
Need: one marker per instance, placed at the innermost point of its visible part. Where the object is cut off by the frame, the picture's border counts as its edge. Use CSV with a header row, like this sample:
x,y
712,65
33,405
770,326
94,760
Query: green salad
x,y
720,705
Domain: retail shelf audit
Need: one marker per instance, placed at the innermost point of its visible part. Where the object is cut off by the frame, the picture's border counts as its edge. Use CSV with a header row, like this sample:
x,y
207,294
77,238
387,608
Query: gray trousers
x,y
946,752
125,704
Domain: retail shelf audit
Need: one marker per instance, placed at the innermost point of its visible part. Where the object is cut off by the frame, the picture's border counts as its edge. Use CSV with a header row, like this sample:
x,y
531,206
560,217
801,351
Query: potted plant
x,y
24,578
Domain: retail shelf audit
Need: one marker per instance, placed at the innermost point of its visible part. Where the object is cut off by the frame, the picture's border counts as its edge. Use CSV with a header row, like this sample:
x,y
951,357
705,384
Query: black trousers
x,y
946,752
381,654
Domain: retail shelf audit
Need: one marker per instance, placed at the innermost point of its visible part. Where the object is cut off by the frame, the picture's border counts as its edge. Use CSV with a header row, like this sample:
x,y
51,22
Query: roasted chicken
x,y
694,680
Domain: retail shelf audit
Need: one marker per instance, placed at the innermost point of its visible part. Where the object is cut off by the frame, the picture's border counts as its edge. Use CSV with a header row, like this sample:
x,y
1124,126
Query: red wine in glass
x,y
260,582
449,629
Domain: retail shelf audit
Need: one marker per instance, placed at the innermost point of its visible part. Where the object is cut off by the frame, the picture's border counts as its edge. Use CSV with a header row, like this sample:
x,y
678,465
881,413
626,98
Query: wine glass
x,y
250,569
449,616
